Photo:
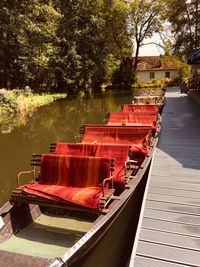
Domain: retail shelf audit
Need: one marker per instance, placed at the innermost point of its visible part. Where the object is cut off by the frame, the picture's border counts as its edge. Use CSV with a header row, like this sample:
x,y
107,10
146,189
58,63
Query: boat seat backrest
x,y
119,152
140,108
74,171
131,117
116,135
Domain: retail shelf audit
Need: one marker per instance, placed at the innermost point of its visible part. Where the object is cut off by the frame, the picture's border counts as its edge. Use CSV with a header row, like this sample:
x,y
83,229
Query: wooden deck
x,y
169,227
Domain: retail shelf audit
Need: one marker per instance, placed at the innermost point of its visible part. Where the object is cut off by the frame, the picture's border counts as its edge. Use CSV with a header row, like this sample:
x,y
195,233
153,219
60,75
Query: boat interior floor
x,y
48,236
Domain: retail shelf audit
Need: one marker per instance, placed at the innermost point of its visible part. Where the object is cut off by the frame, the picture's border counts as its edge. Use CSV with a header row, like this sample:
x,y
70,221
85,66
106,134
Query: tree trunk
x,y
136,58
196,25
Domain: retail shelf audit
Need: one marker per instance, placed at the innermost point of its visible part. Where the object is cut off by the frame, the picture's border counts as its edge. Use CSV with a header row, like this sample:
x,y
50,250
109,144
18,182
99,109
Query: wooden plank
x,y
173,141
186,153
168,253
149,262
177,145
186,180
170,230
172,216
175,185
178,172
181,170
170,151
172,159
175,199
171,227
158,205
170,239
178,163
170,147
175,192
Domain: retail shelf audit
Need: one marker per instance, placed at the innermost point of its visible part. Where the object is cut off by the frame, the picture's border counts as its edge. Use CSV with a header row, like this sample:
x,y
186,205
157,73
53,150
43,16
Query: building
x,y
152,68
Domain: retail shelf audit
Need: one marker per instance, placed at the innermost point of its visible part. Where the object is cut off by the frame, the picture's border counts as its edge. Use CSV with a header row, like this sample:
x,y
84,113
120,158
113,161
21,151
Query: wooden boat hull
x,y
95,243
114,247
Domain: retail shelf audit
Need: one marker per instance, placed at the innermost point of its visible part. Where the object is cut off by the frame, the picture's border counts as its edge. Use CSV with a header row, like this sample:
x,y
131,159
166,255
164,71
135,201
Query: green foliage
x,y
124,75
62,45
184,17
16,105
27,43
116,15
146,18
92,32
73,45
155,83
183,68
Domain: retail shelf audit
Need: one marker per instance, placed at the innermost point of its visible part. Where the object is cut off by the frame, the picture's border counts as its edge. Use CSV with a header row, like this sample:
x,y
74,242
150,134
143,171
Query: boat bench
x,y
129,135
152,109
124,164
134,119
71,182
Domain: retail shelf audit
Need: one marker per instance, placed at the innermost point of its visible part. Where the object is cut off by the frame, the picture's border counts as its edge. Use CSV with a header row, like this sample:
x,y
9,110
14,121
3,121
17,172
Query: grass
x,y
17,103
34,101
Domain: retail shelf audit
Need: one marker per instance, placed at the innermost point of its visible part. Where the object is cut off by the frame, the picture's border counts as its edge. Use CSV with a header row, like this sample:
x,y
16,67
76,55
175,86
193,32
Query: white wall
x,y
144,76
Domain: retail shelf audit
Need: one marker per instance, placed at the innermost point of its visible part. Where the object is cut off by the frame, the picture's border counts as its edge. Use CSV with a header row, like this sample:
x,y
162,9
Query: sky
x,y
151,49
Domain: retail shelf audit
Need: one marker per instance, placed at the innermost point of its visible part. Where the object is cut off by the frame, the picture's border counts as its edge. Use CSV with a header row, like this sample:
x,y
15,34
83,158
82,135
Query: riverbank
x,y
17,104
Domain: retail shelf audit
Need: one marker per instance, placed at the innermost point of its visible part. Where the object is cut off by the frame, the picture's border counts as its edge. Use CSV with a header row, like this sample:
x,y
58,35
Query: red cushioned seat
x,y
87,197
119,152
116,135
140,108
74,179
133,119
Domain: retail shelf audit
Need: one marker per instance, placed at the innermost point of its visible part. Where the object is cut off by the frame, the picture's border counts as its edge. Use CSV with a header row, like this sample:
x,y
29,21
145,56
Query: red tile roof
x,y
153,63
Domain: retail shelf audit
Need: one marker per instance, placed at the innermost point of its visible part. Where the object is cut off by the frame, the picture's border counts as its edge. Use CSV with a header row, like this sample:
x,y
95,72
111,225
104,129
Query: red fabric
x,y
87,197
74,179
128,118
140,108
116,134
139,153
119,152
73,170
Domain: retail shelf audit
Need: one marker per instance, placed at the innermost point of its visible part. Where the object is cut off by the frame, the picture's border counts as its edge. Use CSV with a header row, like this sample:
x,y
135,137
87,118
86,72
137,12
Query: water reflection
x,y
59,121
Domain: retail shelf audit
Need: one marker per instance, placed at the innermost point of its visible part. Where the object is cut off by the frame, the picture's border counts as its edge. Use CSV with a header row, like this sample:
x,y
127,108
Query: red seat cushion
x,y
75,179
87,197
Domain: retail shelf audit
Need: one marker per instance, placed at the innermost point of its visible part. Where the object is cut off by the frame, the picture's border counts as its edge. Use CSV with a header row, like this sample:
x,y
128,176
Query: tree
x,y
119,42
28,36
184,69
91,33
81,45
184,17
145,20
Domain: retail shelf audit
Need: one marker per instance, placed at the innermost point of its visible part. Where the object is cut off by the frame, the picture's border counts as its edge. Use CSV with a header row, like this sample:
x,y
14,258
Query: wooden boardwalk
x,y
169,227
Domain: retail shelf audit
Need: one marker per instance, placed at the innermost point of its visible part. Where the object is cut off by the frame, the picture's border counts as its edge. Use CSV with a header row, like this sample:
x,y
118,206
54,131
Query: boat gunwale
x,y
81,247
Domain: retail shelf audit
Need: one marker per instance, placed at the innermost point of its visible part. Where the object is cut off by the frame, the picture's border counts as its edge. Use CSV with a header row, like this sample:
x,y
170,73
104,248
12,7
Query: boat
x,y
49,223
151,98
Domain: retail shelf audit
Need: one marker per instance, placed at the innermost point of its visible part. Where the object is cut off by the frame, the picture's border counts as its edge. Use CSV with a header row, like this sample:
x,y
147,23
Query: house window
x,y
152,75
167,74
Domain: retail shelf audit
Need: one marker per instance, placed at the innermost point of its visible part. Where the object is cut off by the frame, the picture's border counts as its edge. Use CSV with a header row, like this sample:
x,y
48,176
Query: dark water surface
x,y
59,121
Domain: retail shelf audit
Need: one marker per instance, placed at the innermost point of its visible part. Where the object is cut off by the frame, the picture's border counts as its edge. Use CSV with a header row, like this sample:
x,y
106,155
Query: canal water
x,y
57,122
